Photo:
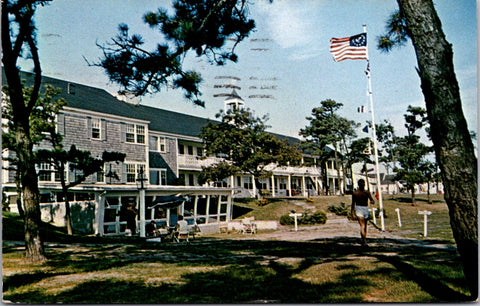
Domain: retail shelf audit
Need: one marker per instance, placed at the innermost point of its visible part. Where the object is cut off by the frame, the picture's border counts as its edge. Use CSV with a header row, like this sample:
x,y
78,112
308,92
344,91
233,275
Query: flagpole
x,y
374,135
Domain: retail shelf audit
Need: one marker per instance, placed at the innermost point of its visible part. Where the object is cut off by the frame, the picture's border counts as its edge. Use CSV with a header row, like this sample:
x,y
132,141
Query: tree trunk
x,y
451,138
337,165
414,201
33,242
68,218
68,221
19,202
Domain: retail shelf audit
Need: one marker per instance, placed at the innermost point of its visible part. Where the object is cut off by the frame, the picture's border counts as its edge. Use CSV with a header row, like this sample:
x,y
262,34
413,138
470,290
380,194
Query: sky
x,y
285,68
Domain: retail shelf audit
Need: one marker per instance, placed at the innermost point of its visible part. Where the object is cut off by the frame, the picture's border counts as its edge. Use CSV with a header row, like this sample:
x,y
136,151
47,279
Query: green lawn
x,y
221,270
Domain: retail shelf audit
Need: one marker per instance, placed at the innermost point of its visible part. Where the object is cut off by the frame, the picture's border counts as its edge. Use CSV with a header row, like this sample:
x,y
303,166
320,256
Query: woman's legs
x,y
363,229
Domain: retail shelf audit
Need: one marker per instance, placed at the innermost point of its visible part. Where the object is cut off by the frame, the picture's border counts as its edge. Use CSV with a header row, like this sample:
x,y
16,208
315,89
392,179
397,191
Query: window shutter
x,y
103,129
124,174
89,127
61,123
123,130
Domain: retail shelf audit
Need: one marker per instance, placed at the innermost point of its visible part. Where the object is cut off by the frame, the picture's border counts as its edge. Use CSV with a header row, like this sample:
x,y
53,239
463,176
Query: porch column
x,y
219,205
304,187
229,209
289,185
99,213
142,212
273,186
207,212
232,184
254,186
195,208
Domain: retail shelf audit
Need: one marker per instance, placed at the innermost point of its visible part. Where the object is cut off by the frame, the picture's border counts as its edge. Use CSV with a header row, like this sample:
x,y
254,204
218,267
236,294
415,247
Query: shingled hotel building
x,y
165,146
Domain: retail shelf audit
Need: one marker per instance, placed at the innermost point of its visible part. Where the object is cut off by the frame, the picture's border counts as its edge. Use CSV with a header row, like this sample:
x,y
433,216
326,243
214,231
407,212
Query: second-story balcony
x,y
294,171
192,162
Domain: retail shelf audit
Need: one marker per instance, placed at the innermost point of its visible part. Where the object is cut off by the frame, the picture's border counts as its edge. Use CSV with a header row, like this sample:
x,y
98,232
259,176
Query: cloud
x,y
292,25
287,23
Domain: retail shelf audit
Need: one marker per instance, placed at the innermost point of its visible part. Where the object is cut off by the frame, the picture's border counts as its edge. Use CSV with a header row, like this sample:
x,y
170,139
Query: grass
x,y
220,270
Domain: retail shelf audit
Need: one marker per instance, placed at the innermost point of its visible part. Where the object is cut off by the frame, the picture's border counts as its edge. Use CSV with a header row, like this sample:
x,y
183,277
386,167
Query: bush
x,y
341,210
318,217
286,220
262,202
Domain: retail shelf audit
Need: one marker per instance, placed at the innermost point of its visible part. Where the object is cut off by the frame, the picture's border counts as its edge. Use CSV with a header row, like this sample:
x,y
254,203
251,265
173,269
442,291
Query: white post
x,y
304,186
399,219
374,135
295,219
142,212
207,217
374,217
289,187
99,213
273,186
425,214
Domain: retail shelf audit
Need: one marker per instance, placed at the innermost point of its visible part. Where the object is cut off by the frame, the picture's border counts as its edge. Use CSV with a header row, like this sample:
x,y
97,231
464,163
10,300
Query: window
x,y
247,183
190,150
134,133
158,144
158,177
140,133
132,171
181,149
130,133
44,172
101,175
96,128
162,142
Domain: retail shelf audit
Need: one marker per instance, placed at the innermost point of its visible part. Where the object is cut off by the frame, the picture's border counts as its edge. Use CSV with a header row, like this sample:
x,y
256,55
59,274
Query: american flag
x,y
353,47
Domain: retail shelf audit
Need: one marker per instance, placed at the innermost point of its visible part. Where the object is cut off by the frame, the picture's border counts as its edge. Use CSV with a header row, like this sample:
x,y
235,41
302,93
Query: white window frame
x,y
132,168
159,144
100,175
162,175
135,133
45,167
96,125
140,133
130,133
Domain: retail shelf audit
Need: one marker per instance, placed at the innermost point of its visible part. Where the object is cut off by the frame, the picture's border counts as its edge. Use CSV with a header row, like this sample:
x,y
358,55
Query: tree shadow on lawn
x,y
418,200
245,271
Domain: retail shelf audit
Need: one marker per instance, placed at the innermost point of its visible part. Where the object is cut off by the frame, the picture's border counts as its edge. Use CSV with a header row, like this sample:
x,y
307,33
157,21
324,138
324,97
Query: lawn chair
x,y
182,231
248,226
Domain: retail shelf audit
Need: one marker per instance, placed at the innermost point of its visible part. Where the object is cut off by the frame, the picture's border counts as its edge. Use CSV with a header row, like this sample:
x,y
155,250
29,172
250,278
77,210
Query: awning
x,y
169,201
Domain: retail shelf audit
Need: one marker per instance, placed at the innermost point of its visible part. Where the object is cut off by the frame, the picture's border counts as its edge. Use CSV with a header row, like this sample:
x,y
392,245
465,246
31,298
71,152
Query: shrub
x,y
286,220
318,217
341,210
262,202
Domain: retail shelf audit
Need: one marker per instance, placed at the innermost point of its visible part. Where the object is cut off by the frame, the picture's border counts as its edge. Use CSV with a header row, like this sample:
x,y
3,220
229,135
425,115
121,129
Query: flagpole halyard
x,y
374,136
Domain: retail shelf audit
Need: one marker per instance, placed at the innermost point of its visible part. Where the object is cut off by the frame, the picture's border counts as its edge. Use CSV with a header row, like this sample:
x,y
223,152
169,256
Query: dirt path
x,y
338,227
335,227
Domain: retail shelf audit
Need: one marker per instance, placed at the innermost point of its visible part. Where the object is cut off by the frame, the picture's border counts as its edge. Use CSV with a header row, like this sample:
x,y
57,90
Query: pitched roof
x,y
234,95
99,100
